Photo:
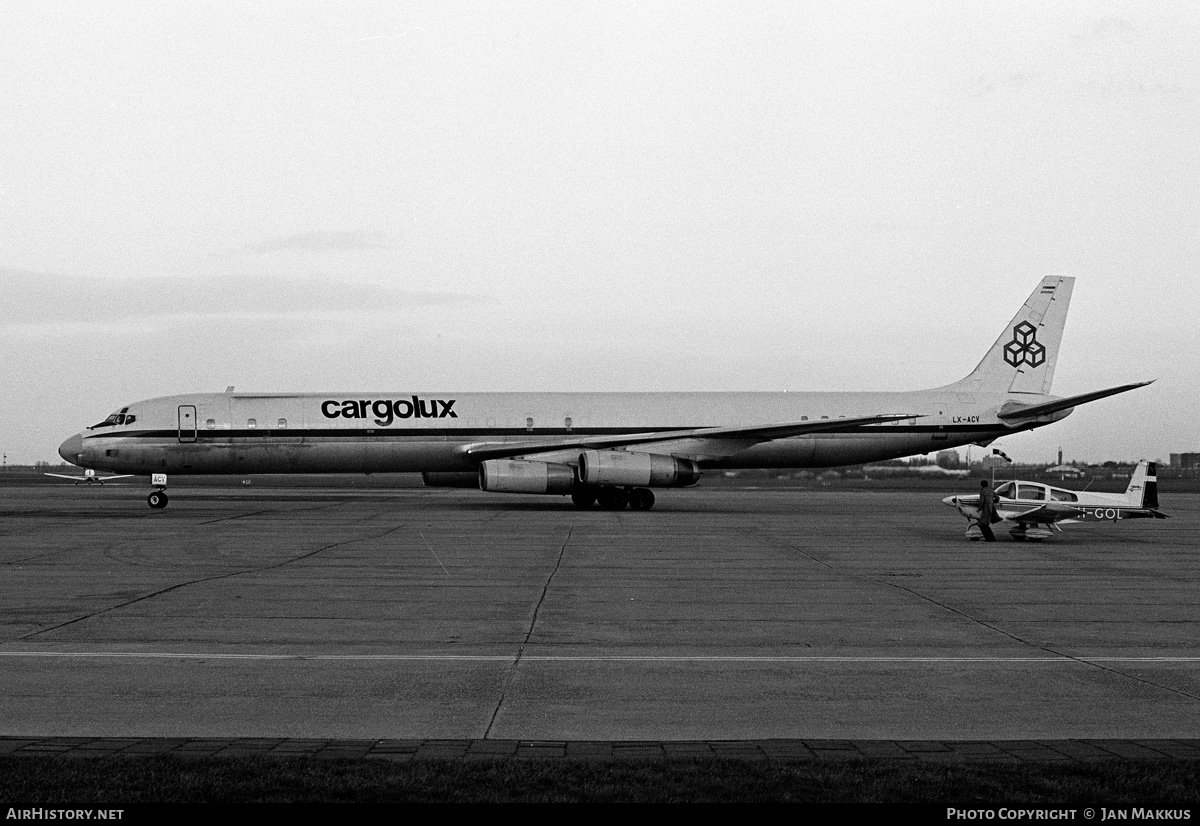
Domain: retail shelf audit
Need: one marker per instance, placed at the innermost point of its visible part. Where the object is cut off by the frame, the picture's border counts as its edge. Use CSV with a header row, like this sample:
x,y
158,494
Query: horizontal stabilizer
x,y
756,433
1016,410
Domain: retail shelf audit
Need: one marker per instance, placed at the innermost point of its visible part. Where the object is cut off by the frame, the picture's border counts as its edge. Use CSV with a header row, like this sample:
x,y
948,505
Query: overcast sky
x,y
594,196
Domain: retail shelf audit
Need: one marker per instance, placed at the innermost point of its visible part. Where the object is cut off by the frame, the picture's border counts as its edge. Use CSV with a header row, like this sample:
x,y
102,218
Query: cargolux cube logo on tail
x,y
1024,347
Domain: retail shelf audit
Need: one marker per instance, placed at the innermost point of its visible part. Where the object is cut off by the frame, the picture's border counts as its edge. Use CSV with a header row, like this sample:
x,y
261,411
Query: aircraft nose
x,y
71,448
952,501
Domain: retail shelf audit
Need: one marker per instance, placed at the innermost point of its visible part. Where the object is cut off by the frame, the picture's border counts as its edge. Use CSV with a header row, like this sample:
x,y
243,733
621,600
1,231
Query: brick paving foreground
x,y
940,751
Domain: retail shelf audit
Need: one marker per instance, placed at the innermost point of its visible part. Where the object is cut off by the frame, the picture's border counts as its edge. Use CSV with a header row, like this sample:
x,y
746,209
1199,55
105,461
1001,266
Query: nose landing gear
x,y
158,497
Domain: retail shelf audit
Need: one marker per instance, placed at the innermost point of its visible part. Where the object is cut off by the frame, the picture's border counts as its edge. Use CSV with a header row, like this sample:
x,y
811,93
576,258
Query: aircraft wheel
x,y
584,498
613,499
641,499
157,499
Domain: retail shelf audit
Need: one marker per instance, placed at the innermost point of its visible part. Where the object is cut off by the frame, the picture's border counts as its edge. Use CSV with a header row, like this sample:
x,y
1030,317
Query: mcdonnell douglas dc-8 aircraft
x,y
611,448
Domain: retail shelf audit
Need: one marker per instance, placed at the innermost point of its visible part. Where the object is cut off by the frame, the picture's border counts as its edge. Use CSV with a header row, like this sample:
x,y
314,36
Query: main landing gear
x,y
1030,533
158,497
614,498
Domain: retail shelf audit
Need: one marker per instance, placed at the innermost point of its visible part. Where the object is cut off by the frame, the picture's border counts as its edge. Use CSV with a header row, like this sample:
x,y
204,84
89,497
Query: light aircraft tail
x,y
1022,359
1143,486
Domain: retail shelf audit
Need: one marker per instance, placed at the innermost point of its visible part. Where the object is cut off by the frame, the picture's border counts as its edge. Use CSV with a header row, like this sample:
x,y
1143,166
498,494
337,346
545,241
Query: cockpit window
x,y
122,416
1006,490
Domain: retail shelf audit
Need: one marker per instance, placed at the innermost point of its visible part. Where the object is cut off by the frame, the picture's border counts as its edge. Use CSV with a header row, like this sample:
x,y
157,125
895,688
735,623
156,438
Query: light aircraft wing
x,y
1016,410
756,433
1045,514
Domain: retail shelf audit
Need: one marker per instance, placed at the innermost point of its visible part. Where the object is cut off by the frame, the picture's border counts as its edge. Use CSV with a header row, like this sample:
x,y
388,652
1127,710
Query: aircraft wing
x,y
754,433
100,479
1016,410
65,476
1045,514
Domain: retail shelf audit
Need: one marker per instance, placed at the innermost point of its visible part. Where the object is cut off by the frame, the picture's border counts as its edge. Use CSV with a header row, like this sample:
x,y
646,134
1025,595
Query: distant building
x,y
1185,461
948,459
1065,471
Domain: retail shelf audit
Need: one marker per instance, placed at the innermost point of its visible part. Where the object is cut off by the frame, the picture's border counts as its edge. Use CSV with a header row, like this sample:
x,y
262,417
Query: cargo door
x,y
187,423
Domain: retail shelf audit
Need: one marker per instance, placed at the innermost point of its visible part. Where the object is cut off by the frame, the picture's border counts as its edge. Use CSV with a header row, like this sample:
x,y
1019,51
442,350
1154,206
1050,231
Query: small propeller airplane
x,y
1036,508
90,476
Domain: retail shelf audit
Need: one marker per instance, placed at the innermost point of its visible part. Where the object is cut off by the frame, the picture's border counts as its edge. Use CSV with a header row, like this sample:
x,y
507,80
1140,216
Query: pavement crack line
x,y
512,669
996,629
203,580
48,554
231,518
318,507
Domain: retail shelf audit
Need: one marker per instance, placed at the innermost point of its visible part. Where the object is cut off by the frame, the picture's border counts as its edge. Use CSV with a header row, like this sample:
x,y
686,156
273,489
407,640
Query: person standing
x,y
987,510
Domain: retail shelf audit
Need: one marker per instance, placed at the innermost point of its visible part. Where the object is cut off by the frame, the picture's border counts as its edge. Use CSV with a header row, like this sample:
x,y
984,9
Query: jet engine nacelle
x,y
517,476
620,467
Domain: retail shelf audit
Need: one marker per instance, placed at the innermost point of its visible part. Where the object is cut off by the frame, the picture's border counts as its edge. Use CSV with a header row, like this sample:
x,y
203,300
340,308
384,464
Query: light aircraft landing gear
x,y
158,497
1024,533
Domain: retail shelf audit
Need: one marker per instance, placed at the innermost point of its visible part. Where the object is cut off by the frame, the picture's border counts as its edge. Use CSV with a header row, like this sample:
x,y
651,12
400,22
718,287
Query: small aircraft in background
x,y
1036,508
90,476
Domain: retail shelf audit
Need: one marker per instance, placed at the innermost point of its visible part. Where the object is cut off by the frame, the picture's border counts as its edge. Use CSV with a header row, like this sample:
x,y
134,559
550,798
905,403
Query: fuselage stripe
x,y
477,433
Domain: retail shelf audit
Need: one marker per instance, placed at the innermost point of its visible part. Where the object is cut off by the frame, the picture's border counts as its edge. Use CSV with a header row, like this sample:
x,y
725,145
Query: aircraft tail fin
x,y
1143,486
1022,359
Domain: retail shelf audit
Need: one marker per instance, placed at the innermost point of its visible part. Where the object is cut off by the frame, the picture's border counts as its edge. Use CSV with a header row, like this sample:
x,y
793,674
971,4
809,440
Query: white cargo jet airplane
x,y
607,447
1036,507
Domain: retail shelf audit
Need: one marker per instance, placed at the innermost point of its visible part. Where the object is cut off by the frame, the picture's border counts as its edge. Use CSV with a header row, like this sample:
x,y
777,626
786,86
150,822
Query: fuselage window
x,y
529,423
1063,496
251,423
283,423
567,422
210,423
1031,493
